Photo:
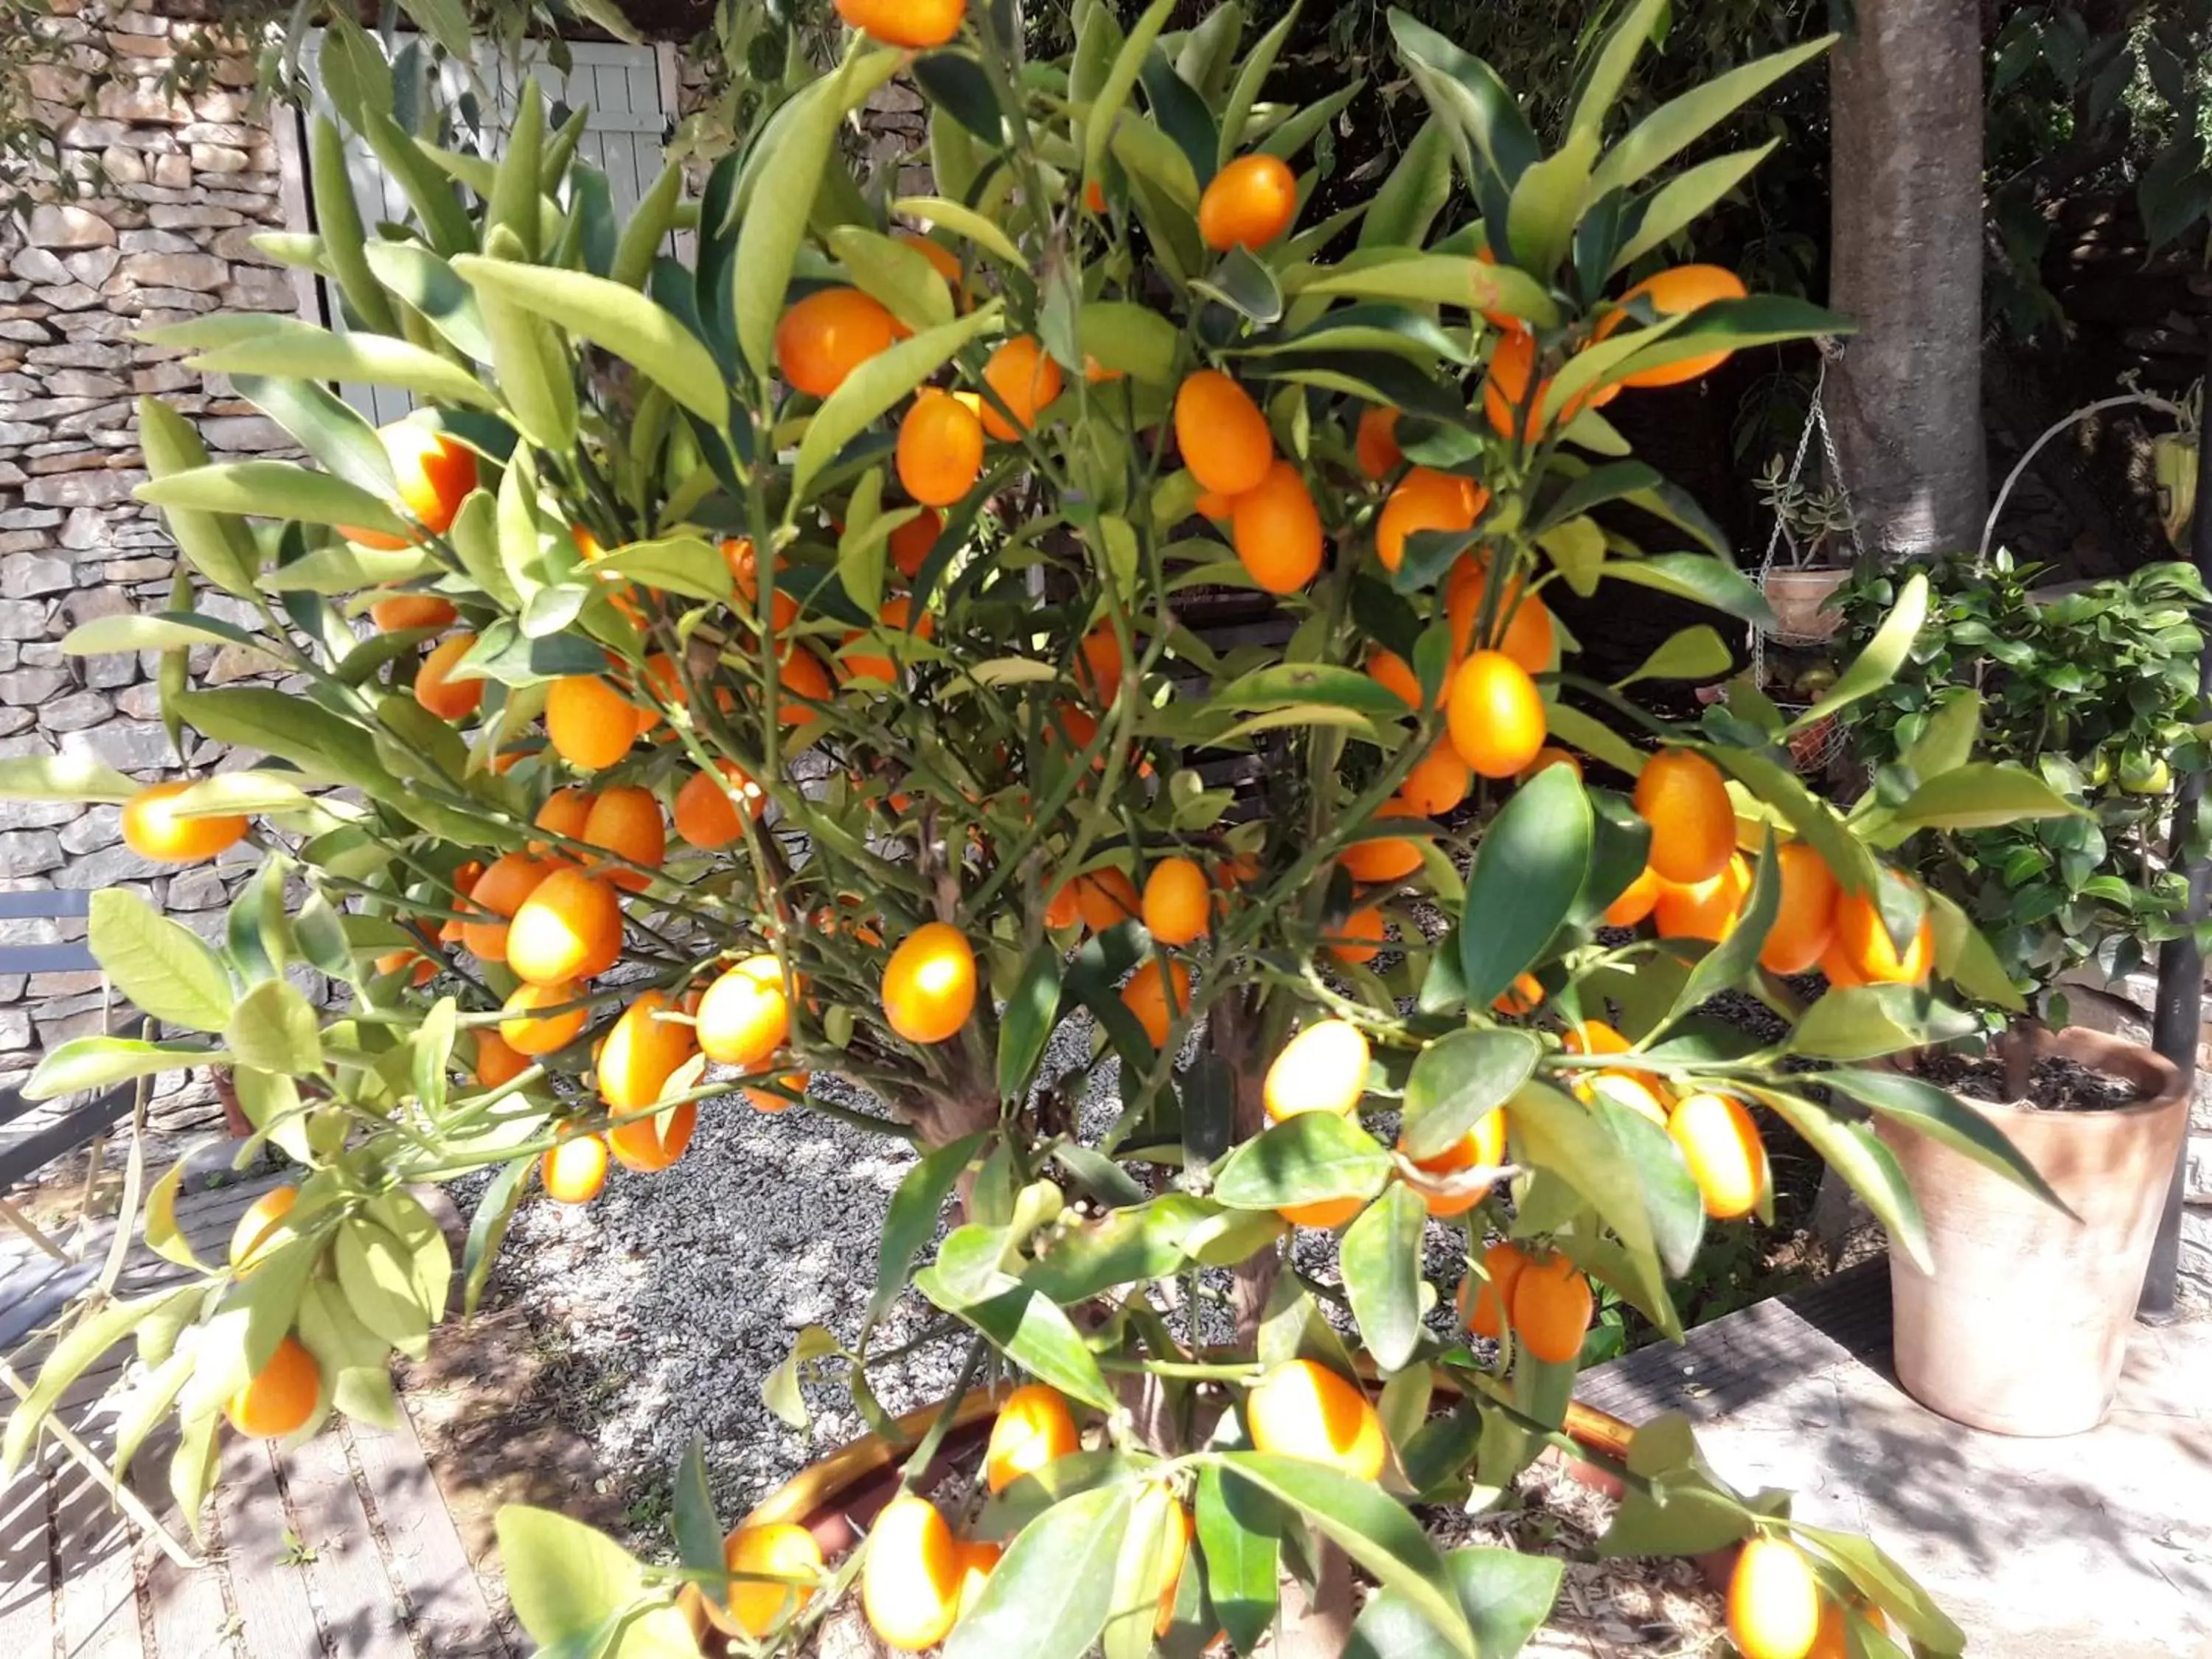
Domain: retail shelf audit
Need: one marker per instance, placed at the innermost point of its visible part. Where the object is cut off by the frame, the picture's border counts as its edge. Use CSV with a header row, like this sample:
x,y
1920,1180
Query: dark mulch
x,y
2054,1083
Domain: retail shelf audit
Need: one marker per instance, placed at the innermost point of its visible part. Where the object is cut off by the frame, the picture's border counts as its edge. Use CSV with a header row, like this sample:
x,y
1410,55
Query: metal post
x,y
2179,1017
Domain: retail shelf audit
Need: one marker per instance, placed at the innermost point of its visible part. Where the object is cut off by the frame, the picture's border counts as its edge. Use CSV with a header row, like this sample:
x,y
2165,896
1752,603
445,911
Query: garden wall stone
x,y
166,186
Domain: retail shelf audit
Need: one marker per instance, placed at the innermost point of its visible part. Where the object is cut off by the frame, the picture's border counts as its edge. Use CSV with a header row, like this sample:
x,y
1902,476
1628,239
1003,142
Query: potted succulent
x,y
2092,691
1813,528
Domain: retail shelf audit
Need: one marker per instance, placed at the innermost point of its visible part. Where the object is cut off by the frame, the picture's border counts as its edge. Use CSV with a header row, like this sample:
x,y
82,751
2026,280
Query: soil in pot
x,y
2055,1083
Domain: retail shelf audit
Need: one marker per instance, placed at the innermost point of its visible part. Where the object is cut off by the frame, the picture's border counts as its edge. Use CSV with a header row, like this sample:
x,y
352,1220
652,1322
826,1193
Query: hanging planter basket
x,y
1800,602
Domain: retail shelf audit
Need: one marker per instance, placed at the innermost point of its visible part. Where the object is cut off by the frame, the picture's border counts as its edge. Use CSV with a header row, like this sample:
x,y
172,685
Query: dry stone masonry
x,y
172,182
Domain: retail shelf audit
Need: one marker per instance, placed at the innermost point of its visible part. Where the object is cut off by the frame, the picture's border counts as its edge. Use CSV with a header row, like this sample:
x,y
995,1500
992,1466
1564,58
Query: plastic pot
x,y
2023,1328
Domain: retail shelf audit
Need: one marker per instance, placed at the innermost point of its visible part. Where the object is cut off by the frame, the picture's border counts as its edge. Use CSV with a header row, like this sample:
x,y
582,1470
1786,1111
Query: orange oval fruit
x,y
436,689
570,927
1375,446
250,1237
1551,1308
1325,1213
1549,757
910,1576
1026,379
1637,901
153,828
745,1016
757,1603
1720,1144
1323,1069
565,813
769,1101
706,816
1482,1147
1496,715
496,1062
1387,858
1223,435
940,448
1806,918
1145,995
1685,800
1863,944
1106,898
1394,674
1834,1640
929,984
1686,288
1276,531
590,724
576,1171
1251,203
1425,500
1704,909
1503,1263
1773,1600
1360,936
942,259
280,1398
1514,412
626,821
435,474
1175,902
829,334
894,619
499,892
1034,1427
1439,782
1595,1037
403,611
1524,996
1099,664
649,1145
528,1030
1303,1409
905,23
803,680
1523,626
979,1559
1632,1091
912,542
641,1050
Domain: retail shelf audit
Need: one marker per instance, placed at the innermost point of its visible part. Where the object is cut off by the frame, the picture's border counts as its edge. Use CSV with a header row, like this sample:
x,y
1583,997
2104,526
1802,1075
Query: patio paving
x,y
2096,1546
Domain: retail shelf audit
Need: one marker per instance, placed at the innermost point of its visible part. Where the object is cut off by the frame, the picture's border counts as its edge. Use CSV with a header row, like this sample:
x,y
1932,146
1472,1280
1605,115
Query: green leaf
x,y
1303,1160
1507,1595
1943,1117
1381,1257
1240,1539
1147,1570
271,489
1251,75
1966,957
1439,279
1952,734
1727,962
1664,213
1868,1021
900,277
1560,1135
86,1063
1466,92
964,221
488,1227
433,288
1285,684
274,1028
1853,1152
1130,339
376,1272
1881,1580
1885,654
312,739
1546,202
1578,729
563,1578
536,378
1688,1512
1457,1080
698,1534
1049,1597
1375,1530
85,1341
1698,577
1112,96
1813,818
672,564
78,777
1527,872
304,352
215,544
162,967
1414,193
1025,1025
876,387
338,213
911,1220
1610,70
1673,127
1982,795
617,317
1695,653
1034,1332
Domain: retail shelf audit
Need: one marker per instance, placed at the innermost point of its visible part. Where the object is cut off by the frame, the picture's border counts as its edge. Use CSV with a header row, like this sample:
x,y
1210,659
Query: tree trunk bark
x,y
1907,268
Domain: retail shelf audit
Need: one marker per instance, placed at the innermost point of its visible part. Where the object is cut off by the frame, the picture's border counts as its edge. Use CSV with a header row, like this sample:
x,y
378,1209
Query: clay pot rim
x,y
2157,1076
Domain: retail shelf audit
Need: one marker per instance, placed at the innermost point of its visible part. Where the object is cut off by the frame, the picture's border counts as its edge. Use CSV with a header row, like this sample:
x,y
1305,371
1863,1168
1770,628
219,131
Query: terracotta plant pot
x,y
1800,600
2023,1328
838,1498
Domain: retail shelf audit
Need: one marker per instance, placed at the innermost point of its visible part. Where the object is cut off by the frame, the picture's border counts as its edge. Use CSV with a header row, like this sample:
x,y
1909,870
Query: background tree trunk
x,y
1907,261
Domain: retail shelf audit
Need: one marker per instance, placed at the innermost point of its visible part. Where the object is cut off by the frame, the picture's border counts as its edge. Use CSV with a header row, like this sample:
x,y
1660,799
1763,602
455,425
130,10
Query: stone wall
x,y
178,180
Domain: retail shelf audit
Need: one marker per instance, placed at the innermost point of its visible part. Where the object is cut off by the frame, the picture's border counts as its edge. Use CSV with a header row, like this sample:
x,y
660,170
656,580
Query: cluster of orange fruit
x,y
281,1397
1543,1299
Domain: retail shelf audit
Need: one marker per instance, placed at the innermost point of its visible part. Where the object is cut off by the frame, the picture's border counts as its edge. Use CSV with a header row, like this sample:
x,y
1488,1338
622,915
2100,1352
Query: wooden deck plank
x,y
184,1606
95,1566
27,1626
452,1616
363,1612
270,1596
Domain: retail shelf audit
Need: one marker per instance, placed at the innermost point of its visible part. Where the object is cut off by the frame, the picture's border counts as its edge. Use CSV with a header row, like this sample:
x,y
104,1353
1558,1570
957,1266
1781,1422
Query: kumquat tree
x,y
773,672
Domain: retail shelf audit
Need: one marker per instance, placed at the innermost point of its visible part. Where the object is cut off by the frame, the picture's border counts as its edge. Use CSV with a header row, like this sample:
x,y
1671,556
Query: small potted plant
x,y
1814,524
2091,691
